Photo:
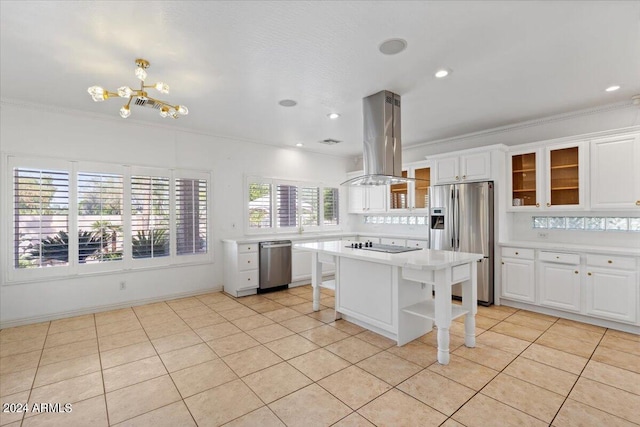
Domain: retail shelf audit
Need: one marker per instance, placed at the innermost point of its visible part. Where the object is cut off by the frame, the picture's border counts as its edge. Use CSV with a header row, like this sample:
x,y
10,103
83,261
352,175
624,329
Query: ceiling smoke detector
x,y
329,141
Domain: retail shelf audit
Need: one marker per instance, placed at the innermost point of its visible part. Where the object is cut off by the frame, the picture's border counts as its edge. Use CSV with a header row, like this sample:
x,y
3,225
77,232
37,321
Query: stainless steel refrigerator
x,y
461,219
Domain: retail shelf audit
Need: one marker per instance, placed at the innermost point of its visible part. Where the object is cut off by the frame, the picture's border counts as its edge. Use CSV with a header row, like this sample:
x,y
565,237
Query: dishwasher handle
x,y
270,245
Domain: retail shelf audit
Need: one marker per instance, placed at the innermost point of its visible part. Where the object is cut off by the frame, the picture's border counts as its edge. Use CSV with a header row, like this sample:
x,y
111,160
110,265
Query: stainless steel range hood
x,y
382,155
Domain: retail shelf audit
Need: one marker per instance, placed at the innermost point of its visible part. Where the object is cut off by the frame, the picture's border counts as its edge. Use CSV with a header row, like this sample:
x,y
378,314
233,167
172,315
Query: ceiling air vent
x,y
149,103
329,141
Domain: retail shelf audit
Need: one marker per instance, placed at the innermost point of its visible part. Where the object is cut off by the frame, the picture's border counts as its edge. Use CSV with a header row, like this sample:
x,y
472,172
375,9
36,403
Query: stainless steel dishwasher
x,y
275,265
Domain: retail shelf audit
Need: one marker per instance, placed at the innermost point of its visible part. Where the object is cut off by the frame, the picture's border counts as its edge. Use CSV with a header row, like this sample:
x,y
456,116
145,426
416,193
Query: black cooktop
x,y
389,249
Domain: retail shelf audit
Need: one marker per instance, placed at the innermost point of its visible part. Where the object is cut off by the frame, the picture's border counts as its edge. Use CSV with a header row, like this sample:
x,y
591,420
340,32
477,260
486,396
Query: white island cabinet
x,y
388,293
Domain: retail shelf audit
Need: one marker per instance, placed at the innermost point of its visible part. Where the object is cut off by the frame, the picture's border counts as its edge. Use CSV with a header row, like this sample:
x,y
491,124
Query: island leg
x,y
316,279
470,303
443,312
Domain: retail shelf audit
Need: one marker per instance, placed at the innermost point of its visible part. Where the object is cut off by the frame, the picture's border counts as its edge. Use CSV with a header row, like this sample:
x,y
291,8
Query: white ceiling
x,y
231,62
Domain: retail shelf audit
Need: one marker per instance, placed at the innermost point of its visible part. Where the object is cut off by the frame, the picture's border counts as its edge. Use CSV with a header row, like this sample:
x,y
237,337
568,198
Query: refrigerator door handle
x,y
457,219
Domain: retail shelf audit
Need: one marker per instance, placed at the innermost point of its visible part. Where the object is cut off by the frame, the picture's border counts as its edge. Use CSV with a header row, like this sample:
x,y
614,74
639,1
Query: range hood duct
x,y
382,154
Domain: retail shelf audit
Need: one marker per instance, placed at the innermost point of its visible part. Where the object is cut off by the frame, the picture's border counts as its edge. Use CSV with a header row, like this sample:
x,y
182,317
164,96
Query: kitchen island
x,y
391,293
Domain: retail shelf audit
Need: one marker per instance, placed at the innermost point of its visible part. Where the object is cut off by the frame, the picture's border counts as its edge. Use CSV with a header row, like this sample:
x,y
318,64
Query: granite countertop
x,y
318,236
423,259
564,247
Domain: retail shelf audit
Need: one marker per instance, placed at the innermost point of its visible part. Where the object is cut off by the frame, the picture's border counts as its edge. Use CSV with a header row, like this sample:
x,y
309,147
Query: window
x,y
331,206
150,217
310,206
285,205
82,218
259,205
191,214
100,237
41,218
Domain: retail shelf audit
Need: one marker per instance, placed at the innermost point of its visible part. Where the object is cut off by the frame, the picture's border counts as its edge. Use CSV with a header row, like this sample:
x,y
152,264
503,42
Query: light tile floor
x,y
269,360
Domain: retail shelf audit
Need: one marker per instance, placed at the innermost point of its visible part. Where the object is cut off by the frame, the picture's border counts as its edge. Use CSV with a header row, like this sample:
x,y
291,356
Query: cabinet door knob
x,y
548,204
502,262
537,205
610,262
457,178
516,253
464,176
576,271
589,274
637,202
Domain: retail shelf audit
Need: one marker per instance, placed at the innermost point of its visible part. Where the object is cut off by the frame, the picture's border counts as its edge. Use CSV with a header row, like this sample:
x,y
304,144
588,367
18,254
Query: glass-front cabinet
x,y
421,187
415,195
399,194
547,178
524,183
565,169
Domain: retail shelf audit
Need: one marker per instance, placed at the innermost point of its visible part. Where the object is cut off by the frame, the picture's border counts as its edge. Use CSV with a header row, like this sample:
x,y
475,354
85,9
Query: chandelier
x,y
140,96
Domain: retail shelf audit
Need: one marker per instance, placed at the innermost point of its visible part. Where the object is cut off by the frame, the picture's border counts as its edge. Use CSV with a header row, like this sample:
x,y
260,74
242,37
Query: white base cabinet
x,y
591,285
612,288
559,280
240,268
518,274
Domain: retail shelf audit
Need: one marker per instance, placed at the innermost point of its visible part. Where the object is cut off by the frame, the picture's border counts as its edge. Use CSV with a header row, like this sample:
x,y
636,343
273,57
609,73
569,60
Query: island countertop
x,y
423,259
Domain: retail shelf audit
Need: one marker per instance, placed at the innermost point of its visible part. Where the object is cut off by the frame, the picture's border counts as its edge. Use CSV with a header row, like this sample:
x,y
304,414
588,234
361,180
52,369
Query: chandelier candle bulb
x,y
140,97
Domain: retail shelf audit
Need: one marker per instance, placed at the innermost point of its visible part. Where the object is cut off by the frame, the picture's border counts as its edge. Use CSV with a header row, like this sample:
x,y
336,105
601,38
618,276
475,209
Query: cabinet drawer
x,y
417,244
625,263
559,257
248,247
248,261
517,253
248,279
397,242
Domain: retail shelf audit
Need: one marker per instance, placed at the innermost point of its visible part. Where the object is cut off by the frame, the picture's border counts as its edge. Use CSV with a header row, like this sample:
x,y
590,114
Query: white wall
x,y
39,131
615,116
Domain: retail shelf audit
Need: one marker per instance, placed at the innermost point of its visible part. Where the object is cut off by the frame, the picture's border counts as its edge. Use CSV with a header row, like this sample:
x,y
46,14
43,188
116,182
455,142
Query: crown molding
x,y
527,124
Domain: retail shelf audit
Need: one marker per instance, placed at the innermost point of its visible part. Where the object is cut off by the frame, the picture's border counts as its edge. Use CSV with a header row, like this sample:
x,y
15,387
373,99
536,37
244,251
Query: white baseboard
x,y
100,308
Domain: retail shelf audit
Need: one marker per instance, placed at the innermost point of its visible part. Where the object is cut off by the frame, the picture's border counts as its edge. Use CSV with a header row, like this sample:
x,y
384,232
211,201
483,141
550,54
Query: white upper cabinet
x,y
615,172
366,199
463,168
549,177
525,183
565,175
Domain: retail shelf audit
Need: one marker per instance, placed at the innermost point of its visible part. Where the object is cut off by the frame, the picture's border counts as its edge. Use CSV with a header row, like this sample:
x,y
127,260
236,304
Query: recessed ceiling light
x,y
393,46
299,144
288,103
612,88
333,115
443,72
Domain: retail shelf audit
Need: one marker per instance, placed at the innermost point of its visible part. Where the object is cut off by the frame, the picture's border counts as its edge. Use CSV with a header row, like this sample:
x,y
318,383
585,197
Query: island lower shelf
x,y
427,309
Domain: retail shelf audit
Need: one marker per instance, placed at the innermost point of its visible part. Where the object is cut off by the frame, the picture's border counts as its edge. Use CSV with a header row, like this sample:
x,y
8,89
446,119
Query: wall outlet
x,y
123,285
542,235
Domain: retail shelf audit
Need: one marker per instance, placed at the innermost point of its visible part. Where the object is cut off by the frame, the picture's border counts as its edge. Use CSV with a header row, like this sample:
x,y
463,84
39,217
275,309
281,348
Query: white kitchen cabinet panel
x,y
464,168
560,285
447,170
615,172
518,277
475,167
422,244
300,265
367,199
393,241
612,294
612,287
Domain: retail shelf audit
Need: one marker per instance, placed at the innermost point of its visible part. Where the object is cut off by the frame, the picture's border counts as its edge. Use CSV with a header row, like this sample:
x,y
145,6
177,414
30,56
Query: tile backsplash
x,y
586,223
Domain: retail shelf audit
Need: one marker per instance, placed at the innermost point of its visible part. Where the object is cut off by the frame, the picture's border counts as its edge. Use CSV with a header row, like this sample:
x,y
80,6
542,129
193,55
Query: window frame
x,y
299,228
15,275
